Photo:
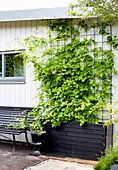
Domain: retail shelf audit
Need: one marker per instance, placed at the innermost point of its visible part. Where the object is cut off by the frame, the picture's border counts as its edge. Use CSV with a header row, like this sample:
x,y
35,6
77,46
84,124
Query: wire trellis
x,y
101,41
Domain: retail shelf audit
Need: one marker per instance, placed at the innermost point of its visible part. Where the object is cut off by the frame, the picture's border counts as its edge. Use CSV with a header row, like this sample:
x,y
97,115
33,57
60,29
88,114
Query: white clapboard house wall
x,y
21,91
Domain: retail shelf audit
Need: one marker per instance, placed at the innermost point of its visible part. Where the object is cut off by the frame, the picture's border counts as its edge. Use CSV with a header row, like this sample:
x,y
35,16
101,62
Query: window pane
x,y
14,66
0,65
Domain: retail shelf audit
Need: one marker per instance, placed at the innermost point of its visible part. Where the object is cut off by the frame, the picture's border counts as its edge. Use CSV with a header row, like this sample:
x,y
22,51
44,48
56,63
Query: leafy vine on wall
x,y
75,79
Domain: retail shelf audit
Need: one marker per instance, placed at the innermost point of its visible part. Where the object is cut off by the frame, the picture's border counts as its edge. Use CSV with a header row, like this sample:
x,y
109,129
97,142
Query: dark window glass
x,y
14,65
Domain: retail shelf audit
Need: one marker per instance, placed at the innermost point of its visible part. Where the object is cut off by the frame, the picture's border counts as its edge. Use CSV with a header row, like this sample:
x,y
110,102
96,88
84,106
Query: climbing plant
x,y
75,76
114,119
105,10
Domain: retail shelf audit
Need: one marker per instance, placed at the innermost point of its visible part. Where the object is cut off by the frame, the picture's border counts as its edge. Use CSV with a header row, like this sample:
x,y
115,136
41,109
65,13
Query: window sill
x,y
12,80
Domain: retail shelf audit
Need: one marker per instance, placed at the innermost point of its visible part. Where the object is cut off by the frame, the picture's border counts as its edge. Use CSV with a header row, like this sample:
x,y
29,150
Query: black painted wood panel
x,y
71,139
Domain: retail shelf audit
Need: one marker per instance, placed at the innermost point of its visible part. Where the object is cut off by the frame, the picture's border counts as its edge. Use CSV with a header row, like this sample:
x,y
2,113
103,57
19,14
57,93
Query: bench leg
x,y
26,137
13,143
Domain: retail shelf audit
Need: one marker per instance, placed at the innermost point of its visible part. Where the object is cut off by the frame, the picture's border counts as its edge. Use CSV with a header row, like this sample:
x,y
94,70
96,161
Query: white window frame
x,y
10,80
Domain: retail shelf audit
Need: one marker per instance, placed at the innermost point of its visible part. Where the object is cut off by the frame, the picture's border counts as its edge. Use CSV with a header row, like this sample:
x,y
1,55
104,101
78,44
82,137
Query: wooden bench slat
x,y
10,115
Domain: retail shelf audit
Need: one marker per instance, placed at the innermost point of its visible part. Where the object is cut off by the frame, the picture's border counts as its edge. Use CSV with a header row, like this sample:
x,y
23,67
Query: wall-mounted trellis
x,y
101,41
75,69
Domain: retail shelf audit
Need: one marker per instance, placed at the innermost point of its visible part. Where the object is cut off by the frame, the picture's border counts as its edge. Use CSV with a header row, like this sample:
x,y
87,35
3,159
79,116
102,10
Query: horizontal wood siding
x,y
86,142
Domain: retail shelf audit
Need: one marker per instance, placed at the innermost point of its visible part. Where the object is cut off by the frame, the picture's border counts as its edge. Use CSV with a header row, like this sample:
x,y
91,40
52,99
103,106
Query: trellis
x,y
101,41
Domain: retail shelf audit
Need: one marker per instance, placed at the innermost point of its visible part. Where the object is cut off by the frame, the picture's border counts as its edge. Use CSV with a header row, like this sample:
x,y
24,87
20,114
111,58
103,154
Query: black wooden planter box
x,y
84,142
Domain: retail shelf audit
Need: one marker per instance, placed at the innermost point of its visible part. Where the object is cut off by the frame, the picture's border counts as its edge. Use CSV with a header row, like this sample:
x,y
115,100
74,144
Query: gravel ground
x,y
17,160
21,160
59,165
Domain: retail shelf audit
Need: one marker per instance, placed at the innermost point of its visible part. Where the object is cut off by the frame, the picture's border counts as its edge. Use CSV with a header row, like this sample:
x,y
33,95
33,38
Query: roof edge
x,y
35,14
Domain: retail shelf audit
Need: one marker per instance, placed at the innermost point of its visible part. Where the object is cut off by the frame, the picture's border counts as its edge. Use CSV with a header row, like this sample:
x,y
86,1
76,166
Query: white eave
x,y
34,14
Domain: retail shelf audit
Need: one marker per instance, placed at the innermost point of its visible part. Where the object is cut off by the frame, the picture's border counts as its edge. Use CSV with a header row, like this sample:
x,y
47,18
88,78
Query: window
x,y
11,68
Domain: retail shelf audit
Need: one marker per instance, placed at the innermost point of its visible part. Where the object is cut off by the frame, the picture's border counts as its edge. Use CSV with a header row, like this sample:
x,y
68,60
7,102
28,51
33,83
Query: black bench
x,y
11,115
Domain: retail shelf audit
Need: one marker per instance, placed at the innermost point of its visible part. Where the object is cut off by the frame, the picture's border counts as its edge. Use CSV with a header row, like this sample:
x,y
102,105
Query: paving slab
x,y
59,165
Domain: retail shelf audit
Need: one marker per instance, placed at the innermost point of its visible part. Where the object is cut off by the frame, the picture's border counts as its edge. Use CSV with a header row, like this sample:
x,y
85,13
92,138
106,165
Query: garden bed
x,y
85,142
